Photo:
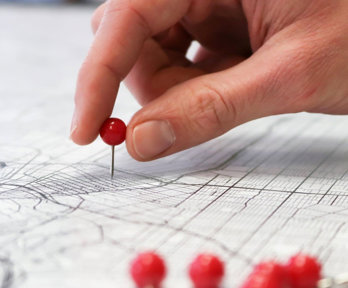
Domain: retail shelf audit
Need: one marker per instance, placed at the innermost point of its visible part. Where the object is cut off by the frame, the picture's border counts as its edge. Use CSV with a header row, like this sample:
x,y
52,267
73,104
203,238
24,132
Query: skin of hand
x,y
257,58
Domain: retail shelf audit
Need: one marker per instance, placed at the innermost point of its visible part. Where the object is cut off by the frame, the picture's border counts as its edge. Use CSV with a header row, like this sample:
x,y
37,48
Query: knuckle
x,y
94,22
314,67
207,109
141,19
301,74
96,17
133,10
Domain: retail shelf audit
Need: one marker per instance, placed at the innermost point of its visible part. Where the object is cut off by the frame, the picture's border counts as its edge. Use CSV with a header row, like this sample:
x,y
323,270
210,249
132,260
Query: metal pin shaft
x,y
112,160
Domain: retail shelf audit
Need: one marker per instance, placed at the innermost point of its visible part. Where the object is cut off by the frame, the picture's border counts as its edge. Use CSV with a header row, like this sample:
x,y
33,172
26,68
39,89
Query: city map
x,y
266,190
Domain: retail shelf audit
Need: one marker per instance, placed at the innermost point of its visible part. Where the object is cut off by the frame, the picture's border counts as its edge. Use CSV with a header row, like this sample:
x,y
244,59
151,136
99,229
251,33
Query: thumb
x,y
205,107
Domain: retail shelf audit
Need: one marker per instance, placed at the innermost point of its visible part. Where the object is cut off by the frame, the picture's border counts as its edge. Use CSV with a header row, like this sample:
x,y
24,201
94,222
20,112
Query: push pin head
x,y
301,271
148,270
304,271
206,271
268,274
113,132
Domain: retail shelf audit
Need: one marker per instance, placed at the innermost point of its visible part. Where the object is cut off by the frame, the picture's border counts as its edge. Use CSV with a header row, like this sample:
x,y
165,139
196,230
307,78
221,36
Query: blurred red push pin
x,y
304,271
206,271
113,132
301,271
267,275
148,270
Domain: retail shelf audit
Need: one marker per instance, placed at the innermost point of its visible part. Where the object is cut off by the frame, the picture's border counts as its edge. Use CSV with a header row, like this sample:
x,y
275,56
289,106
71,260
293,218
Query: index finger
x,y
125,26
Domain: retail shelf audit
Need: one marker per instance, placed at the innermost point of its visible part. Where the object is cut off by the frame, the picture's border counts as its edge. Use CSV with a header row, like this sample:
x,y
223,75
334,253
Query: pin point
x,y
113,132
148,270
206,271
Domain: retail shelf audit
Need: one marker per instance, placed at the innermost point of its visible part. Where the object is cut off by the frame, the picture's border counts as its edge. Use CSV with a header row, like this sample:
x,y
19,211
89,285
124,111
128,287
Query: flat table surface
x,y
266,190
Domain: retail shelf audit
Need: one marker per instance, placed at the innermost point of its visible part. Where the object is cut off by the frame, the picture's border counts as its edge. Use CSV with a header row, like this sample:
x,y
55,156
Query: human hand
x,y
260,58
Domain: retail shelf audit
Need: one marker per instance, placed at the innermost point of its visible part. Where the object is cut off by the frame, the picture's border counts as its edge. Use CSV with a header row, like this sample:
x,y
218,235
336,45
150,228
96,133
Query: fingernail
x,y
73,125
152,138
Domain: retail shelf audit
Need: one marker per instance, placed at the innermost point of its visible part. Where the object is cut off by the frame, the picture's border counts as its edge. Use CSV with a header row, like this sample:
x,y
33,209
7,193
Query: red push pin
x,y
267,275
148,270
303,271
206,271
113,132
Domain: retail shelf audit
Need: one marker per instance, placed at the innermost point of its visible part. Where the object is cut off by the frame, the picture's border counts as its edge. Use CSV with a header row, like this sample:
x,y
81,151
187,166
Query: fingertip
x,y
82,139
82,134
130,144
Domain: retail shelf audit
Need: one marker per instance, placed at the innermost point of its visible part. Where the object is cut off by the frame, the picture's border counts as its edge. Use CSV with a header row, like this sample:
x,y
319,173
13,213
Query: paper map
x,y
266,190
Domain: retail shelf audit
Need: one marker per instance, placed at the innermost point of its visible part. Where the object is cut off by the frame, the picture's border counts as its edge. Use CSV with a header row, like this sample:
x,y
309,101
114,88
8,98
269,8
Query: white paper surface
x,y
266,190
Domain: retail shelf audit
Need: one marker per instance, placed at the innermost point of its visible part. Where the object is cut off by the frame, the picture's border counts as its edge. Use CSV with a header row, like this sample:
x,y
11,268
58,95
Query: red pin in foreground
x,y
206,271
148,270
113,132
304,271
301,271
267,275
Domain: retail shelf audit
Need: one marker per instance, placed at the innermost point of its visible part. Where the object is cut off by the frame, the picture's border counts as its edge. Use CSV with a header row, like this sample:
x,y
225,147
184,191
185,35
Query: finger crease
x,y
142,20
228,107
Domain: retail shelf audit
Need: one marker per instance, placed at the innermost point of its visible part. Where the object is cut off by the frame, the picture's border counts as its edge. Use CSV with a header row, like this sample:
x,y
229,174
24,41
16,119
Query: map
x,y
266,190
